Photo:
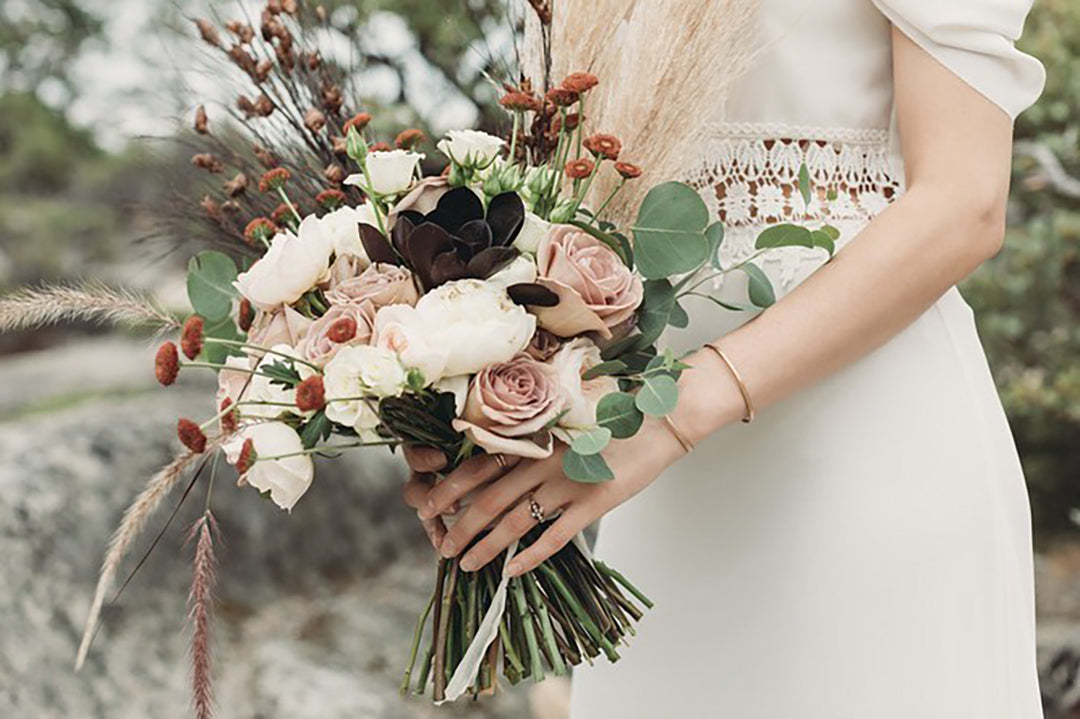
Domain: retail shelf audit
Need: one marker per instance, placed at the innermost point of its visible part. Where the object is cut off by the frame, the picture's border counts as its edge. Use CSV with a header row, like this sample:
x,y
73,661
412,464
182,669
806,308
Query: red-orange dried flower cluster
x,y
408,139
380,147
580,82
167,364
602,145
274,179
230,420
561,97
259,230
246,315
628,171
579,169
191,436
358,121
342,331
330,199
311,394
247,457
191,339
518,101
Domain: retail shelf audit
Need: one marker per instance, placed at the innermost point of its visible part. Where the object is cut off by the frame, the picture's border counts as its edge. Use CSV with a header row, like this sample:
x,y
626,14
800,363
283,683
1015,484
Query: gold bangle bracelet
x,y
686,444
743,390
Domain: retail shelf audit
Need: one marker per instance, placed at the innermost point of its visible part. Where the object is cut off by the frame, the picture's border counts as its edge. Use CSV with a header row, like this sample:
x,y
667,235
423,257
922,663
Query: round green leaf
x,y
669,236
594,441
656,309
210,285
586,468
785,235
822,239
618,413
658,396
761,289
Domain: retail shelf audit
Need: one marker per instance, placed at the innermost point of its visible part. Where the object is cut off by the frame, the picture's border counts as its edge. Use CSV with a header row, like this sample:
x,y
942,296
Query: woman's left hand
x,y
504,504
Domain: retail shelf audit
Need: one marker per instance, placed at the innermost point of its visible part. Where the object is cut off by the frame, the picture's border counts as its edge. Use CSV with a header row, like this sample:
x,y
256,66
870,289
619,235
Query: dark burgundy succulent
x,y
456,240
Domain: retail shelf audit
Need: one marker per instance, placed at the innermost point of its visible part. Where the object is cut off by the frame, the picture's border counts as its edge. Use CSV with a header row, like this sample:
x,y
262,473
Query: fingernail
x,y
469,563
448,548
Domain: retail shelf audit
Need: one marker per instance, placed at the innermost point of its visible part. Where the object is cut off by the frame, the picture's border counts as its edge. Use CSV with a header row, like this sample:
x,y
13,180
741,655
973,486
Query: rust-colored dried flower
x,y
573,121
602,145
286,57
314,120
282,214
208,162
246,106
311,394
330,200
517,101
380,147
561,97
628,171
191,435
342,331
262,70
232,207
274,179
208,32
265,156
167,363
260,230
230,419
237,185
211,207
580,81
245,315
359,121
409,139
247,457
202,123
264,106
334,174
243,32
579,169
332,98
191,338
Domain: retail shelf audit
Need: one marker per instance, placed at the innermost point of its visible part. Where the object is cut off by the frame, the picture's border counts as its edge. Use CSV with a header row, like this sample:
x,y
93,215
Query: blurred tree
x,y
39,40
1028,298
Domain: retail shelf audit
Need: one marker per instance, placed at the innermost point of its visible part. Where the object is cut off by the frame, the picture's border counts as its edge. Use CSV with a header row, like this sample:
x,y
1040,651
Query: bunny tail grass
x,y
200,613
33,307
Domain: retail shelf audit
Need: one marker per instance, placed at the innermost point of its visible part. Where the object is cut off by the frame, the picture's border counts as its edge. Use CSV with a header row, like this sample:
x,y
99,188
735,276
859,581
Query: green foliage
x,y
210,284
670,232
586,468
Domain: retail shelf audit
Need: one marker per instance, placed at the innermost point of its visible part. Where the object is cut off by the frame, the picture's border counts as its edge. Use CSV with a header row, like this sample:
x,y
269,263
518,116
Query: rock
x,y
316,608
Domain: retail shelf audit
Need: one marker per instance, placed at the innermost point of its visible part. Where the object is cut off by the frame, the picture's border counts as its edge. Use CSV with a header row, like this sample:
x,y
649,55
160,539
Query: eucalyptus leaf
x,y
656,309
804,183
822,239
658,396
593,441
223,330
620,347
679,319
761,289
618,413
784,235
210,284
715,235
586,468
669,235
604,369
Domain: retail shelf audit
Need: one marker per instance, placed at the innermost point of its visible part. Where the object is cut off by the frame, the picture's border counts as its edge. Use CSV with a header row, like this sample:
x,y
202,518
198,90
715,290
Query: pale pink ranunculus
x,y
317,346
422,198
509,408
284,326
596,290
380,284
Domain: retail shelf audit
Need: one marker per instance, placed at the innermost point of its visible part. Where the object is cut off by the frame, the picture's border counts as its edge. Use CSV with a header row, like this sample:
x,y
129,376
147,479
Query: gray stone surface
x,y
315,609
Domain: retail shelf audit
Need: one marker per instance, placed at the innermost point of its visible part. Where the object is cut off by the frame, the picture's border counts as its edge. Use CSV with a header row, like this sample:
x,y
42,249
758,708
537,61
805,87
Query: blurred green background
x,y
81,83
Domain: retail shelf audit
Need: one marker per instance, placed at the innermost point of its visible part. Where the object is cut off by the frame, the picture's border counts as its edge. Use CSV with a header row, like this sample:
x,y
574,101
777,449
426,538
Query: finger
x,y
416,489
489,505
557,536
435,529
514,525
471,474
424,459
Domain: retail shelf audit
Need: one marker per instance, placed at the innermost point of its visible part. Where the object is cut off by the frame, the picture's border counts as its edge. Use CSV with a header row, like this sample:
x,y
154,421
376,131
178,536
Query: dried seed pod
x,y
265,156
211,207
286,57
246,106
262,71
332,98
273,6
340,146
201,121
334,174
208,32
314,120
264,105
243,32
208,162
542,8
243,59
237,185
231,207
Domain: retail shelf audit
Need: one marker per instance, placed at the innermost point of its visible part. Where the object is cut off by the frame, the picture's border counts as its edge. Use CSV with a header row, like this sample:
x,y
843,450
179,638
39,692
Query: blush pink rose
x,y
323,339
380,284
284,326
597,292
510,405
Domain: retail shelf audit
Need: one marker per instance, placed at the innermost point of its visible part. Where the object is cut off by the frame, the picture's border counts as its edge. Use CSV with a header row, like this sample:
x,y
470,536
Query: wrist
x,y
709,398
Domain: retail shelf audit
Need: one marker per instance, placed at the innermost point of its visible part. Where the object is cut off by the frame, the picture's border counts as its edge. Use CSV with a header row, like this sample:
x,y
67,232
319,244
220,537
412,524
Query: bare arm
x,y
957,149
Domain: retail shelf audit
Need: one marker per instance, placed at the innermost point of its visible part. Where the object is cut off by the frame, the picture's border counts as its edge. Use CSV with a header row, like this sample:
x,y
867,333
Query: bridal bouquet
x,y
473,297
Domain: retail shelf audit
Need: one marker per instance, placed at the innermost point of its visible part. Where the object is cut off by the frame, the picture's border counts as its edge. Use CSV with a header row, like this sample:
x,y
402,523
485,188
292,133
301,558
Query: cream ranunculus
x,y
392,171
569,364
400,329
360,372
464,325
293,265
521,271
342,226
471,148
532,231
287,478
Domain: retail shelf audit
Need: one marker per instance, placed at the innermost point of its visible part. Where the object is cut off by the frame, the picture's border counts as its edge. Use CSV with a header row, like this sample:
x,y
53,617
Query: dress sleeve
x,y
975,39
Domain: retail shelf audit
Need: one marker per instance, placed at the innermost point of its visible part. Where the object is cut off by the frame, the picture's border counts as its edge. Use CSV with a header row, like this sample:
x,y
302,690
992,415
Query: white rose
x,y
342,227
269,399
356,372
521,271
473,324
471,148
292,266
532,231
391,171
570,362
287,478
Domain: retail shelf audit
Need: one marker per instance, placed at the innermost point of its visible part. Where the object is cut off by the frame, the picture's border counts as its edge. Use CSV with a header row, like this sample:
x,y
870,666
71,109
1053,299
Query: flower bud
x,y
355,145
564,212
191,339
191,436
274,179
311,394
167,364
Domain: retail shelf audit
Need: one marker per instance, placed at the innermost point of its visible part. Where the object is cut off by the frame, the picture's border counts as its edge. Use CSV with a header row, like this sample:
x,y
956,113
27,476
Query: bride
x,y
862,549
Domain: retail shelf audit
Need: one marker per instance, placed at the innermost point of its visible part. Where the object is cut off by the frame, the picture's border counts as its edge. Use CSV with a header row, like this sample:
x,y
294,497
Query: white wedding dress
x,y
863,550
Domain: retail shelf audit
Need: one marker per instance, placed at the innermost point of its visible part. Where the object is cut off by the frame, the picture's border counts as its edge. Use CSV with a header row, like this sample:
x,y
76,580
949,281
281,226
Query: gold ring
x,y
536,510
500,460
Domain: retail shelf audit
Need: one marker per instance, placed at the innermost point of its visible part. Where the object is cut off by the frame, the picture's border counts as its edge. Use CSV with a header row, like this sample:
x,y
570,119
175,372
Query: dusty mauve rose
x,y
543,345
509,407
380,284
422,198
285,326
596,290
318,348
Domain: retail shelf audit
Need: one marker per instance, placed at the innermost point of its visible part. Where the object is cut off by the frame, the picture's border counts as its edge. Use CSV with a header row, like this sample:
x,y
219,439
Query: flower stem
x,y
407,679
285,197
442,630
244,345
328,448
610,197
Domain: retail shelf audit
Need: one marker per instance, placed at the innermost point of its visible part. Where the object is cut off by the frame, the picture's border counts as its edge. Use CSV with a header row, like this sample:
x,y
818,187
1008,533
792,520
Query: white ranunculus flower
x,y
342,227
361,371
292,266
570,362
400,329
392,171
532,231
286,479
471,148
521,270
261,388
